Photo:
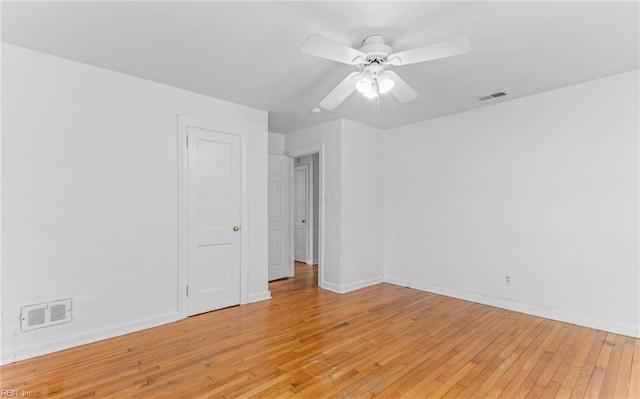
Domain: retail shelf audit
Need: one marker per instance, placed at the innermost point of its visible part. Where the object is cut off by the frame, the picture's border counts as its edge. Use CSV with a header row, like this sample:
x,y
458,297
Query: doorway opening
x,y
306,210
312,155
305,278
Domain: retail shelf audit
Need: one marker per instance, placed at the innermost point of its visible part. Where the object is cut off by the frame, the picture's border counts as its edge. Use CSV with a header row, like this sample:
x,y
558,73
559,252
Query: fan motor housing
x,y
374,69
376,49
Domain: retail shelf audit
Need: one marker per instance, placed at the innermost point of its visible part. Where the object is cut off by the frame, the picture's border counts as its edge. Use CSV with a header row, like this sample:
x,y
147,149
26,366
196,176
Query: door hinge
x,y
187,291
187,141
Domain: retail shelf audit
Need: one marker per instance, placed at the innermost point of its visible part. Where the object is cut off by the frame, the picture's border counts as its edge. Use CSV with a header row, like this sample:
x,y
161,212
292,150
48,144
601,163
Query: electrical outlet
x,y
507,280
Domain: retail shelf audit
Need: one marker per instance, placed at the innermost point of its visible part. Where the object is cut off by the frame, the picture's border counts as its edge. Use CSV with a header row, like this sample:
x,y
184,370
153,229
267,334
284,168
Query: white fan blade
x,y
401,90
340,92
431,52
324,48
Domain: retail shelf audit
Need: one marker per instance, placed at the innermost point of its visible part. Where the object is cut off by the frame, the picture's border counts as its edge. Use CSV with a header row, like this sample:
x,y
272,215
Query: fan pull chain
x,y
378,99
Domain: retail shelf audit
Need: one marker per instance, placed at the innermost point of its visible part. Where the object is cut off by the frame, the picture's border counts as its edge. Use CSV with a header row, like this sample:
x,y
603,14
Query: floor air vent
x,y
45,314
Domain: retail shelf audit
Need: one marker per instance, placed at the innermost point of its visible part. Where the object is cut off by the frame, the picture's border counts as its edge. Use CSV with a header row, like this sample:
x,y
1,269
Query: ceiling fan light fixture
x,y
370,88
373,58
373,84
371,94
364,85
385,84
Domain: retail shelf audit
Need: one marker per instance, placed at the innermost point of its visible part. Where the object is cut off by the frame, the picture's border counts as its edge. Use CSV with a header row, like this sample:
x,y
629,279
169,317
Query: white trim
x,y
343,289
309,214
292,268
617,328
310,206
310,219
261,296
87,338
1,185
244,218
332,287
362,284
183,124
181,301
317,148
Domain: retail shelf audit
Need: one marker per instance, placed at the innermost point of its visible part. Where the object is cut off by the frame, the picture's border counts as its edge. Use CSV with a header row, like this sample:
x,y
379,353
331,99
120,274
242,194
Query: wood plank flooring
x,y
383,341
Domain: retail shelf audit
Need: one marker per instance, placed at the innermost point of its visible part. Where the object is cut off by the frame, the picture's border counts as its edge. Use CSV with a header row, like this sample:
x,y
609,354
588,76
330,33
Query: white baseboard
x,y
362,284
331,287
261,296
86,338
101,334
343,289
617,328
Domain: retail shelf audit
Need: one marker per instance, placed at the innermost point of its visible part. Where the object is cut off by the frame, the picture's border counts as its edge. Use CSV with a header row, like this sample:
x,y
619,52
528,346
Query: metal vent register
x,y
45,314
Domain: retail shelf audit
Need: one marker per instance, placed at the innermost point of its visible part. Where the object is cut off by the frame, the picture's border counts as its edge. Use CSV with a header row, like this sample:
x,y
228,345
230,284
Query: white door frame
x,y
299,152
183,125
310,220
309,207
310,217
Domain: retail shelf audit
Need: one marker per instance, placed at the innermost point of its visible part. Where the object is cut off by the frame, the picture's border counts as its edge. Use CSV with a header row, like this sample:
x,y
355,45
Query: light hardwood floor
x,y
383,341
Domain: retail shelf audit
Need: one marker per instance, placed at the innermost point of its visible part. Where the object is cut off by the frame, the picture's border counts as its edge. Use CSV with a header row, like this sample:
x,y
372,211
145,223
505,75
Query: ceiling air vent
x,y
492,96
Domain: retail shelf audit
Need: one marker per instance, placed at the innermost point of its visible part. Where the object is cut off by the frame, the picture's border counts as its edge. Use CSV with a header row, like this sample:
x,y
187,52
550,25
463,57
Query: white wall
x,y
353,215
276,143
89,197
542,188
362,205
329,134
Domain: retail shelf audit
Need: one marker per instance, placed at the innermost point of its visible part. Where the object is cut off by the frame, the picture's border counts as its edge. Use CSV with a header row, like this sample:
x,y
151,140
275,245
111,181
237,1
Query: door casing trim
x,y
316,148
309,214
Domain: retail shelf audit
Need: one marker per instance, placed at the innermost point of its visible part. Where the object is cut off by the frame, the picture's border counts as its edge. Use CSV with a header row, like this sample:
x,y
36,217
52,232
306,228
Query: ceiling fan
x,y
372,59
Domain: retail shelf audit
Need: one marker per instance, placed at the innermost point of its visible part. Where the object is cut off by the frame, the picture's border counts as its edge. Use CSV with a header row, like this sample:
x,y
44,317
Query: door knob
x,y
236,228
303,221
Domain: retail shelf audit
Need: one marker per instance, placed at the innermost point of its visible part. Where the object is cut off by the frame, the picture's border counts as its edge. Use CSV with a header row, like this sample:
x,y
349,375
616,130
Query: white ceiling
x,y
248,52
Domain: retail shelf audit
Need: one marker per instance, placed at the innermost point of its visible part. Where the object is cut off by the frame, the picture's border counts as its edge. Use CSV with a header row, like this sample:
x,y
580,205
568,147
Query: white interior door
x,y
300,225
213,220
280,263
